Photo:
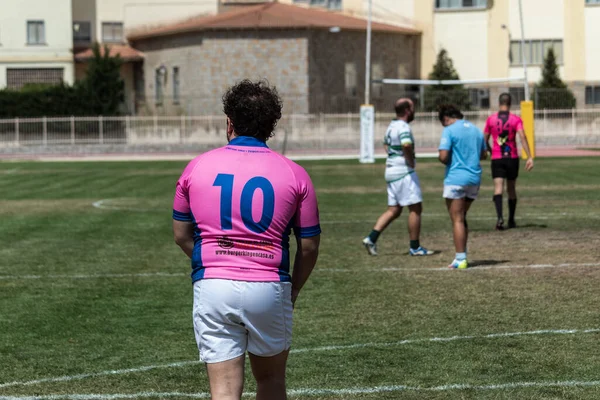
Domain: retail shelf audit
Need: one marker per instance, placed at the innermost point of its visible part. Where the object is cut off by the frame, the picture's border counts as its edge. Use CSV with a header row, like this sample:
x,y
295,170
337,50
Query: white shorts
x,y
405,191
232,317
455,192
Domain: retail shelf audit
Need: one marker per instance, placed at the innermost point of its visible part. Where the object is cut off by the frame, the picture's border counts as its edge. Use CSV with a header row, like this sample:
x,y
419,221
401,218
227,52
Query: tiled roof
x,y
270,16
126,52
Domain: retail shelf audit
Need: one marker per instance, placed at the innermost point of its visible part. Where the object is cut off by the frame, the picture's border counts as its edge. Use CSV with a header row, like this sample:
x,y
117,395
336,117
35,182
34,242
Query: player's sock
x,y
374,235
414,244
460,256
512,208
498,203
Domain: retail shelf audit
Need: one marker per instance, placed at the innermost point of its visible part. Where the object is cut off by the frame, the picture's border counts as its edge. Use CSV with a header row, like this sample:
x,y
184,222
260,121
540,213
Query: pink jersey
x,y
244,199
503,127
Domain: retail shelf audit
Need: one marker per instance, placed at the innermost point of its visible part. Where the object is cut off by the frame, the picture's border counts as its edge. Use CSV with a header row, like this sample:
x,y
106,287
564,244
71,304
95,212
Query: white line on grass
x,y
94,276
105,204
318,392
68,378
311,349
446,269
334,270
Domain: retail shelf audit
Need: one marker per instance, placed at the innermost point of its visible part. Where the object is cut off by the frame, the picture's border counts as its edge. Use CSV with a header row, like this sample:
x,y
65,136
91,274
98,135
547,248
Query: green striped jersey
x,y
397,136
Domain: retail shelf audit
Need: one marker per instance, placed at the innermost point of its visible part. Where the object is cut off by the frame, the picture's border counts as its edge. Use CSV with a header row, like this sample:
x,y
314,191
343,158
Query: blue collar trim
x,y
247,141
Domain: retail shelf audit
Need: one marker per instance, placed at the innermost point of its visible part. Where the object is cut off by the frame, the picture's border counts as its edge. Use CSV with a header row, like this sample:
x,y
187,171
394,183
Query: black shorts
x,y
507,168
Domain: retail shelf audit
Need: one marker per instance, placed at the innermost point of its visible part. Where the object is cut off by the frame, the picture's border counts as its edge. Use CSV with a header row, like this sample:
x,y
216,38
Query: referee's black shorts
x,y
507,168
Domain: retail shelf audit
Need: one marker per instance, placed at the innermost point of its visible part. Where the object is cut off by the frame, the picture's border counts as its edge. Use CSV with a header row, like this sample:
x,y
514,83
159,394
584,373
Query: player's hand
x,y
529,164
295,293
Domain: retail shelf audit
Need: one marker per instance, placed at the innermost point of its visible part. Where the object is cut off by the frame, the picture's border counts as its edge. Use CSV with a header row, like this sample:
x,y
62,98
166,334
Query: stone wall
x,y
393,56
210,62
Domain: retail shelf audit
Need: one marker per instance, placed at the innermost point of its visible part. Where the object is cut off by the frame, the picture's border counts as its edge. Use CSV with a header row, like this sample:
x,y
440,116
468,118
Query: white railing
x,y
311,134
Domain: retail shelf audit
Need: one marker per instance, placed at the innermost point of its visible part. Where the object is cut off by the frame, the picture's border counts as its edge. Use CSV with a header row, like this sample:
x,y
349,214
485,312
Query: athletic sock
x,y
414,244
512,208
374,235
498,203
460,256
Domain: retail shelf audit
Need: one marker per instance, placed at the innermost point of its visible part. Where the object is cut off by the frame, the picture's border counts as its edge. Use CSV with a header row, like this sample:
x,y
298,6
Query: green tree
x,y
551,92
443,94
103,88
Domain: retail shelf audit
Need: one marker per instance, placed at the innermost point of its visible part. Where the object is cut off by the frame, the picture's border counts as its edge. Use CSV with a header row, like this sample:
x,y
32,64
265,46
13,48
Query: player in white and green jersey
x,y
403,187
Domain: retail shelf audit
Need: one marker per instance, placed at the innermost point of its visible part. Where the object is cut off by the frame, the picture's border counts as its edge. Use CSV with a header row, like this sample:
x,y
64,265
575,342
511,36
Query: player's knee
x,y
394,212
271,377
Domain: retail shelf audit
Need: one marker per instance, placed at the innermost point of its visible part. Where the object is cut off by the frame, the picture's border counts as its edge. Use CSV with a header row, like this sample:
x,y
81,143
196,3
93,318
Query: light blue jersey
x,y
465,143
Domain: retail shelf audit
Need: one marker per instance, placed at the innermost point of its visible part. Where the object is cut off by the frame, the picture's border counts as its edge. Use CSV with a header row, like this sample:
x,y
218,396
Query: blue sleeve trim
x,y
183,217
308,231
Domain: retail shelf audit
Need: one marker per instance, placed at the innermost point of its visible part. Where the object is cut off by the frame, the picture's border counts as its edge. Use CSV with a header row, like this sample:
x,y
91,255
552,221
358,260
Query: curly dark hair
x,y
450,111
253,108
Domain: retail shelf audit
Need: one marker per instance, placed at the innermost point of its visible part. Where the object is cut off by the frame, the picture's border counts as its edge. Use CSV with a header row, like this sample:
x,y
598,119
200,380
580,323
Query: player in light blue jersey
x,y
403,185
461,148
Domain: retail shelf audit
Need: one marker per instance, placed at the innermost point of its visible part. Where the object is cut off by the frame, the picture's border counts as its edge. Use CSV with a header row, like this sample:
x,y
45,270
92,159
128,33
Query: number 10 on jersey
x,y
225,182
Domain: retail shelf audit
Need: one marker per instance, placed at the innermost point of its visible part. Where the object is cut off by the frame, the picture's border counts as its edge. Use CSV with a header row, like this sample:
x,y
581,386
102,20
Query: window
x,y
517,94
592,95
36,32
515,53
82,31
592,1
176,85
535,51
16,78
457,4
350,79
377,74
159,74
331,4
112,32
335,4
480,98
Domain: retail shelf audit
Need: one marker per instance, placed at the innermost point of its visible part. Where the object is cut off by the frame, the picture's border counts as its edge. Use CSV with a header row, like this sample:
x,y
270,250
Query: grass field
x,y
95,302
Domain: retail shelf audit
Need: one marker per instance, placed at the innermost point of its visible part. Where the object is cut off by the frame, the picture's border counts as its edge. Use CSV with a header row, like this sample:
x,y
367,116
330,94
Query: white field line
x,y
310,350
334,270
105,204
483,267
319,392
93,276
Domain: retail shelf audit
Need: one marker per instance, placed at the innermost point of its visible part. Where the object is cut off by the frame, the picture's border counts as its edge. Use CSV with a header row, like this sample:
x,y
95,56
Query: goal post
x,y
527,107
528,117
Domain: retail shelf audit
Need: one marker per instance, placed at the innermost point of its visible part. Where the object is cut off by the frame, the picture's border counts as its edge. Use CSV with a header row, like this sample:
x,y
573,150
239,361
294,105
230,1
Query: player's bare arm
x,y
484,155
409,155
525,145
304,263
183,233
444,157
486,137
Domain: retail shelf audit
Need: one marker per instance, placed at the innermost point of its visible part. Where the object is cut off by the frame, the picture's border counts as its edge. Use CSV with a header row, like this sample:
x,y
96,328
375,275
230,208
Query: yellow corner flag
x,y
529,126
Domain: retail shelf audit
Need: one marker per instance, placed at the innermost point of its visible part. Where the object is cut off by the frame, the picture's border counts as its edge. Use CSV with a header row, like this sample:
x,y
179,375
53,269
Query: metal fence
x,y
322,134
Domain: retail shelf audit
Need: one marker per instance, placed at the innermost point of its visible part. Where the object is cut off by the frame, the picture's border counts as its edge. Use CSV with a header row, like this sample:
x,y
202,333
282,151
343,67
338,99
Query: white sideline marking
x,y
95,276
388,269
318,392
483,267
310,349
105,204
96,374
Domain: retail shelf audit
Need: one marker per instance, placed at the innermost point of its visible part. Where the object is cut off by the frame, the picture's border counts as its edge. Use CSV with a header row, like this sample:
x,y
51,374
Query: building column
x,y
574,41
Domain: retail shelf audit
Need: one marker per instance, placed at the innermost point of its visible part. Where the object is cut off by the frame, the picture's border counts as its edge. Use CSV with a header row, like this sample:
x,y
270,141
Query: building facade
x,y
483,37
35,43
314,58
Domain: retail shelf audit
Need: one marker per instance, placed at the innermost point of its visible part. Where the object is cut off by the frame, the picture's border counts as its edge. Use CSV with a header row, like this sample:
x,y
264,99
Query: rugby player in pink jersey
x,y
503,127
233,213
